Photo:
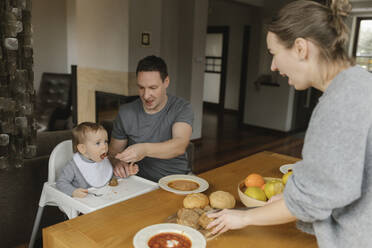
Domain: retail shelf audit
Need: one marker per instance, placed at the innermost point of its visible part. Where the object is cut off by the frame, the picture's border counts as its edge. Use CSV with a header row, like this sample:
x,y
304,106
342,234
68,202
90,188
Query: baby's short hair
x,y
80,131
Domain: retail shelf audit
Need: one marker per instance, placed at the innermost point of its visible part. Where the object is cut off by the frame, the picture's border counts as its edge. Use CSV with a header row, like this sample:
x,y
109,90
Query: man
x,y
154,130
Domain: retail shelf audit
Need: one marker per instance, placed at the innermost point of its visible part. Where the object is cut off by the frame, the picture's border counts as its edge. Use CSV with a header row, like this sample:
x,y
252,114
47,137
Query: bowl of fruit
x,y
255,190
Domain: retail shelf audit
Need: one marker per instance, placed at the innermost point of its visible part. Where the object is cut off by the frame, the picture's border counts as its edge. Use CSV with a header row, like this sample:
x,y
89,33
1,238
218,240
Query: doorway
x,y
304,104
215,67
243,74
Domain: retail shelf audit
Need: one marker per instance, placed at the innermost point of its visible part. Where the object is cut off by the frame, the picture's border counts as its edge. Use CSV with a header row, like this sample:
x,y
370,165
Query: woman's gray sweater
x,y
331,188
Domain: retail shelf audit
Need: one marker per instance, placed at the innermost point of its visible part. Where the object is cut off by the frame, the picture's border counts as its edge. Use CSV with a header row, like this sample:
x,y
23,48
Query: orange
x,y
254,180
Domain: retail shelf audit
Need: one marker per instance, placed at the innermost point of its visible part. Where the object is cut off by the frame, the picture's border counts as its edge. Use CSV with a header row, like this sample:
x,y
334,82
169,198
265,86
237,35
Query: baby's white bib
x,y
97,174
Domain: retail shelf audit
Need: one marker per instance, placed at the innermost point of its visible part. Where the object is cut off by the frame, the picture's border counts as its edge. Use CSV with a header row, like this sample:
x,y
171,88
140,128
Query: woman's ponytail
x,y
340,10
324,25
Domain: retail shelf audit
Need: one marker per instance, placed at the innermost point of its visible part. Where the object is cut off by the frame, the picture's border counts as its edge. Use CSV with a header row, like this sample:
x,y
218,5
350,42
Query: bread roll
x,y
188,217
195,200
204,220
222,199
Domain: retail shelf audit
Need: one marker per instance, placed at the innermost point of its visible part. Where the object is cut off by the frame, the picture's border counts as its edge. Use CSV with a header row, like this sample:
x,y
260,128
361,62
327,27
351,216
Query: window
x,y
363,44
213,64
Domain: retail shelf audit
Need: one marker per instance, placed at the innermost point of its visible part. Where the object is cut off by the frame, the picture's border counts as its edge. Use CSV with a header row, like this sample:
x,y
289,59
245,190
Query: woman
x,y
330,191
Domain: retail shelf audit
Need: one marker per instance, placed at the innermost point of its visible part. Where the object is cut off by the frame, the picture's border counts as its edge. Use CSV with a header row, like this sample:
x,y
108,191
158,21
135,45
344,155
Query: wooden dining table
x,y
116,225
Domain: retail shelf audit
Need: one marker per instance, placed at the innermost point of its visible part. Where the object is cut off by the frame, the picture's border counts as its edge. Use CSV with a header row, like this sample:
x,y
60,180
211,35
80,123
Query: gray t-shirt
x,y
331,188
137,126
70,178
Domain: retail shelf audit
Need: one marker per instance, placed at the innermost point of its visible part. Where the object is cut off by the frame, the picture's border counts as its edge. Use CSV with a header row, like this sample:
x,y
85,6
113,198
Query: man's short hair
x,y
153,63
79,133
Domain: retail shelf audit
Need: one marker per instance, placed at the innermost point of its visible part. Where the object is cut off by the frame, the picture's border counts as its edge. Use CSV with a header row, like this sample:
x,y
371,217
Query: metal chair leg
x,y
36,227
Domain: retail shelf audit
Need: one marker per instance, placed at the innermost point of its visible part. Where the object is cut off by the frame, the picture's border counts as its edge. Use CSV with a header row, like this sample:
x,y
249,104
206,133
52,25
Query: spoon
x,y
97,195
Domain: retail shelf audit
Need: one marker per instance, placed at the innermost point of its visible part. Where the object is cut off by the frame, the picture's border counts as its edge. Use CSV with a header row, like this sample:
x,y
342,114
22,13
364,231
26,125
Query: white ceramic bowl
x,y
249,201
285,168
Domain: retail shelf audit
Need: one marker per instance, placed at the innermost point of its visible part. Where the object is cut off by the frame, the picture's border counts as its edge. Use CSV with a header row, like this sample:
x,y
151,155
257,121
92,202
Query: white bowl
x,y
285,168
249,201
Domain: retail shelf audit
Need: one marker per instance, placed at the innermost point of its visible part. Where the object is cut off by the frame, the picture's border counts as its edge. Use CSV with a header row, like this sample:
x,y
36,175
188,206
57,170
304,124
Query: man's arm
x,y
116,146
121,168
181,134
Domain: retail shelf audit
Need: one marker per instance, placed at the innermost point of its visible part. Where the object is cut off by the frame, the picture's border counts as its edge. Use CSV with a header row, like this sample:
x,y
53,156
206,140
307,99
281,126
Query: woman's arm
x,y
271,214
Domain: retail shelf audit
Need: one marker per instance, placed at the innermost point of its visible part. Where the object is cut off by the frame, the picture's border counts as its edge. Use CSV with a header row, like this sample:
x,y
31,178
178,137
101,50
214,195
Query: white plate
x,y
143,236
284,168
203,184
127,188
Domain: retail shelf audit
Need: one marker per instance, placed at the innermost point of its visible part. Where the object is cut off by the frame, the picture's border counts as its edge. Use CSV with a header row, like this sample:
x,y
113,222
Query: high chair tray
x,y
127,188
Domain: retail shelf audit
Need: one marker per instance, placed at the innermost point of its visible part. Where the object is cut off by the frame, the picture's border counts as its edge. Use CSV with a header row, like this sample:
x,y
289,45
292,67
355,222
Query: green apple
x,y
256,193
286,176
273,187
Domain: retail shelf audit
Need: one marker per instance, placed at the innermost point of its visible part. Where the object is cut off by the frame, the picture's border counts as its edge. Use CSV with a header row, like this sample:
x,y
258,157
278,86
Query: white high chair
x,y
51,196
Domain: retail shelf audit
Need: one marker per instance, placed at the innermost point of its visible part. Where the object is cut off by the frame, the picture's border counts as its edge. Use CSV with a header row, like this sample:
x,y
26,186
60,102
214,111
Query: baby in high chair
x,y
89,166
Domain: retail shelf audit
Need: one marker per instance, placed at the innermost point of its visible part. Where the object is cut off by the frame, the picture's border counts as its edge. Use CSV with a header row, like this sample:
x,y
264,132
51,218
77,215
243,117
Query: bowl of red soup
x,y
169,236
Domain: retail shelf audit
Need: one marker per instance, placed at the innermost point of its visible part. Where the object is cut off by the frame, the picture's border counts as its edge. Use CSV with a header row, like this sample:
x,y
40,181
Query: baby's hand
x,y
132,169
80,193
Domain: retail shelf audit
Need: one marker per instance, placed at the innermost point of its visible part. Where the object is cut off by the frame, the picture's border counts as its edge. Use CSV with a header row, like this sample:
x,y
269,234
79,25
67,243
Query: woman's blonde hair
x,y
321,24
80,131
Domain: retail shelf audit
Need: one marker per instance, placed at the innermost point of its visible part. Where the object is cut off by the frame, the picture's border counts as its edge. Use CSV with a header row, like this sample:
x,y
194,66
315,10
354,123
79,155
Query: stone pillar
x,y
17,95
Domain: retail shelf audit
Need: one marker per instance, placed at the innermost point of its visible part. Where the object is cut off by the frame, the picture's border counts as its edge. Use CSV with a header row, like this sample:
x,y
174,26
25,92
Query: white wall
x,y
192,23
89,33
236,16
169,40
269,107
72,44
50,37
106,35
145,16
98,34
185,25
200,11
178,30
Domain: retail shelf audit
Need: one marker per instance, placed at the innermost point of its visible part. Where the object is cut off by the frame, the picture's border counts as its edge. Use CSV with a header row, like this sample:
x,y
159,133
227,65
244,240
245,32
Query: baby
x,y
89,166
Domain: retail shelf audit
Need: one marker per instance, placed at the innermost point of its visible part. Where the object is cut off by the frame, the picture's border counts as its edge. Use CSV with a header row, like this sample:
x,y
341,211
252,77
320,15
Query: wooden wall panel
x,y
90,80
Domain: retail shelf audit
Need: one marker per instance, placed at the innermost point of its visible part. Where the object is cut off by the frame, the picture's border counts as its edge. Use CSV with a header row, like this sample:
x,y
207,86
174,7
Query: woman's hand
x,y
270,214
275,198
227,220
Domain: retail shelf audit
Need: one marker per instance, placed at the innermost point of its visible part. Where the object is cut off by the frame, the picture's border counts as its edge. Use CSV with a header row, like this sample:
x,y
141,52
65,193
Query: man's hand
x,y
81,193
122,169
132,153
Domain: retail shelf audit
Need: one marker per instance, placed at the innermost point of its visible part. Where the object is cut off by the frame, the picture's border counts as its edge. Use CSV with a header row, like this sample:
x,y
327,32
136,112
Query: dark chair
x,y
53,103
21,193
190,151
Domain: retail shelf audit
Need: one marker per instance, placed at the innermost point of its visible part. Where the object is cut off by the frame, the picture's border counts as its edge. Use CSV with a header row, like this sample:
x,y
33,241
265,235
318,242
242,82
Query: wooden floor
x,y
223,141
